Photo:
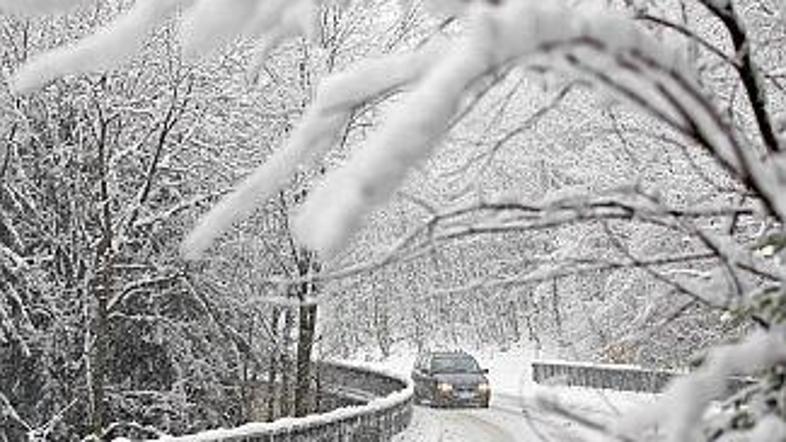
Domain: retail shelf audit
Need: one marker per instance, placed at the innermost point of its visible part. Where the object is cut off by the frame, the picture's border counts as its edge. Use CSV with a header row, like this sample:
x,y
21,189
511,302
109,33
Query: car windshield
x,y
454,364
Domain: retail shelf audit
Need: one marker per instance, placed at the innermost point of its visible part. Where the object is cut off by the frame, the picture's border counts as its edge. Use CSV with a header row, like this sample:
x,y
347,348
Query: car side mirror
x,y
484,370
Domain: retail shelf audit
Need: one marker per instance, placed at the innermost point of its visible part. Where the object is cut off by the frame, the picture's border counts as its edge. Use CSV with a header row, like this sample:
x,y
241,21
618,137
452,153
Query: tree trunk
x,y
308,319
306,331
557,315
99,366
382,327
285,395
531,310
273,365
246,388
418,334
513,319
102,293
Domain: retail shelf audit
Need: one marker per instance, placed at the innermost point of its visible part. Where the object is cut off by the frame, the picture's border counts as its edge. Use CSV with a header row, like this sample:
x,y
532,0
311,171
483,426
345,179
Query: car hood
x,y
461,378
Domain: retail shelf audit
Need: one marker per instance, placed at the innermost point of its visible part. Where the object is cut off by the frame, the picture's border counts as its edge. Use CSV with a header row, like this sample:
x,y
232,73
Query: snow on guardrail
x,y
377,420
612,377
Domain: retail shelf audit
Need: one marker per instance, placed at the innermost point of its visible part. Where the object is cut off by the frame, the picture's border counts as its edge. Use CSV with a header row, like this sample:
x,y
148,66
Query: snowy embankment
x,y
517,411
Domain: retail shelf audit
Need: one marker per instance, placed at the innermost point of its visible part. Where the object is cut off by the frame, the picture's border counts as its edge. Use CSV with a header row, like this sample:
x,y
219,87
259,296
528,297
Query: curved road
x,y
472,425
509,419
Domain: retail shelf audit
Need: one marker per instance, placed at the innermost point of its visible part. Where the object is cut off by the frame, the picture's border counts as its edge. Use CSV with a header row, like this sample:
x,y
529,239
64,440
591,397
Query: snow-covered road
x,y
473,425
509,419
518,418
463,425
514,414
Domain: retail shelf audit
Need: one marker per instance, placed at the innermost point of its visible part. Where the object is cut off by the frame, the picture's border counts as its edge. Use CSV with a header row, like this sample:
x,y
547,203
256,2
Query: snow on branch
x,y
496,35
107,48
210,24
37,6
168,213
278,20
407,136
678,414
322,124
610,50
769,428
9,413
11,260
207,24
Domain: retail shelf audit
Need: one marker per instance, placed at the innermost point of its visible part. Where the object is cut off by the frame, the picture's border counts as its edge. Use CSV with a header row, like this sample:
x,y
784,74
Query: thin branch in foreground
x,y
692,35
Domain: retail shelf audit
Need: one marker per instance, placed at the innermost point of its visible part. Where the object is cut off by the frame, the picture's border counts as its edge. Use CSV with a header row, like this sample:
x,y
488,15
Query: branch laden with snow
x,y
678,414
107,48
608,49
206,25
611,50
314,136
38,6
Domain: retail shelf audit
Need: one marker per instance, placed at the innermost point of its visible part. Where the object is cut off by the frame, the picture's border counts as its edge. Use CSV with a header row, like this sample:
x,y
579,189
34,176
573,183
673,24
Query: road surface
x,y
508,419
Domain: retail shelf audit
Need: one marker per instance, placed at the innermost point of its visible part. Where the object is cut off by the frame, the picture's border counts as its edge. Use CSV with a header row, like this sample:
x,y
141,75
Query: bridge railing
x,y
613,377
387,411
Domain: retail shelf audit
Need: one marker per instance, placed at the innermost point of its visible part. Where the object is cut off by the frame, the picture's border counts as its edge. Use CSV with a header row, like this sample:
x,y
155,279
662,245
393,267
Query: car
x,y
446,379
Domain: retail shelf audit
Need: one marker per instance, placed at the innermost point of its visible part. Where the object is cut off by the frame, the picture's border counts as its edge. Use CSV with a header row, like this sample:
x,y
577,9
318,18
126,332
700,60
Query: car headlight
x,y
444,387
484,388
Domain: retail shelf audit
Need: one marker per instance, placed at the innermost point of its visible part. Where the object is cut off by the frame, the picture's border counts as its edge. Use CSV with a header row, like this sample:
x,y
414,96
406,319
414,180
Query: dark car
x,y
444,379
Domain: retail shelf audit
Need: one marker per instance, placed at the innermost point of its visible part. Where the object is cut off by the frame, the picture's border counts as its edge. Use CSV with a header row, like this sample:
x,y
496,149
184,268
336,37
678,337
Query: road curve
x,y
473,425
495,424
509,419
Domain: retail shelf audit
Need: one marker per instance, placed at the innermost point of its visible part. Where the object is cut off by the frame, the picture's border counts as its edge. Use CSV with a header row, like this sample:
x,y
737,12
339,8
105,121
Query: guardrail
x,y
613,377
387,413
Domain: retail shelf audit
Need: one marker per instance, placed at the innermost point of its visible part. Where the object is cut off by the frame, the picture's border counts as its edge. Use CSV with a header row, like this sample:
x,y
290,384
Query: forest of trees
x,y
603,180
